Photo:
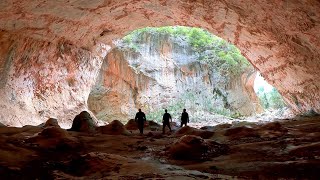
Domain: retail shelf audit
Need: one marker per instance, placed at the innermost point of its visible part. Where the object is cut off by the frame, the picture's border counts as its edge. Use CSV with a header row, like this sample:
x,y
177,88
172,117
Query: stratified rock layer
x,y
280,38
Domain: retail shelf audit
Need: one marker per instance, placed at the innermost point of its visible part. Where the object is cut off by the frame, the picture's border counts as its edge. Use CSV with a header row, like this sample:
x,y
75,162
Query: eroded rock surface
x,y
33,152
83,122
190,147
114,128
165,71
280,38
41,79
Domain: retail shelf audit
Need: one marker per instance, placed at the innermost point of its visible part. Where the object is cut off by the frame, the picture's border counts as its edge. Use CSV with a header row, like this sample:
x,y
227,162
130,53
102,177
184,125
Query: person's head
x,y
165,110
184,110
139,110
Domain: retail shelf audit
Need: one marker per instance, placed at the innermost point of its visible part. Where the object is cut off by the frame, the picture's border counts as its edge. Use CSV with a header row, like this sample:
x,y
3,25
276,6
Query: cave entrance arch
x,y
285,49
174,67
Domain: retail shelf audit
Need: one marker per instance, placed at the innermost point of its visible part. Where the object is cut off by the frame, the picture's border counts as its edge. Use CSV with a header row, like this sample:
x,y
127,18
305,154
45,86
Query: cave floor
x,y
288,149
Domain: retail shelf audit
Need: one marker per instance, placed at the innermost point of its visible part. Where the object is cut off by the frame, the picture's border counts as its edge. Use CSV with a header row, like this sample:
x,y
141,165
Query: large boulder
x,y
114,128
52,122
190,147
186,130
131,125
83,122
54,138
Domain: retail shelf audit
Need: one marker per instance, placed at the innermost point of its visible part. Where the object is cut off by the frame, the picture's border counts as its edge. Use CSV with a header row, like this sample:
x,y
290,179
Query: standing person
x,y
184,118
140,118
165,121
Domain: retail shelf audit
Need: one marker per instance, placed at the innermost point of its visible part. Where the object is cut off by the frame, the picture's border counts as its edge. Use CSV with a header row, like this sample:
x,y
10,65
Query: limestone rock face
x,y
41,79
280,38
166,72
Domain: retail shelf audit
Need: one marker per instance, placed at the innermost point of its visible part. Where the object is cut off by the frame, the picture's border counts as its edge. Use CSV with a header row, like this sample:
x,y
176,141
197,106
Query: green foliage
x,y
212,49
174,108
223,58
270,100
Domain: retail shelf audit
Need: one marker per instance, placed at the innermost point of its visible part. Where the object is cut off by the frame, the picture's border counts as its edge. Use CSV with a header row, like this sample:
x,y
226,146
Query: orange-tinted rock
x,y
53,132
187,130
131,125
54,138
241,132
190,147
83,122
52,122
41,77
114,128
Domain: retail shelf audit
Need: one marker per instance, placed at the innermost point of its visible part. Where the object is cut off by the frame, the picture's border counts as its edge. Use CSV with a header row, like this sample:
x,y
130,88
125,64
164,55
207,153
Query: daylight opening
x,y
270,98
178,67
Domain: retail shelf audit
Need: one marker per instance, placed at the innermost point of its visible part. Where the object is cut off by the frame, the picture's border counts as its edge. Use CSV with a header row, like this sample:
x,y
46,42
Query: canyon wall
x,y
39,79
161,71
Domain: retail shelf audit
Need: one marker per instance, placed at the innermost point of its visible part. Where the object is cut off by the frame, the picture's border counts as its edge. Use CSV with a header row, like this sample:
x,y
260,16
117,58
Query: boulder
x,y
190,147
52,122
153,126
131,125
83,122
187,130
114,128
53,132
241,132
54,138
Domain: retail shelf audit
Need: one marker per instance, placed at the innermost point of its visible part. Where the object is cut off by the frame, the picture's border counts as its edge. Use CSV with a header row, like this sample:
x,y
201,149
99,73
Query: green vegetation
x,y
211,49
175,109
224,60
270,100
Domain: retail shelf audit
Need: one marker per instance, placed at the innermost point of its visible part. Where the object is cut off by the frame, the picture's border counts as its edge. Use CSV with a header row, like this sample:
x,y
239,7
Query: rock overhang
x,y
280,38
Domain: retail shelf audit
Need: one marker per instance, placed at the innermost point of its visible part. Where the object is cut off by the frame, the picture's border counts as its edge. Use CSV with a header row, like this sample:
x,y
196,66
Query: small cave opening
x,y
176,68
270,99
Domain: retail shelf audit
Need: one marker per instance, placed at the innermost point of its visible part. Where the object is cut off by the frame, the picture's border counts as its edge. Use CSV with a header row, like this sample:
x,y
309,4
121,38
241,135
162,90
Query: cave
x,y
52,54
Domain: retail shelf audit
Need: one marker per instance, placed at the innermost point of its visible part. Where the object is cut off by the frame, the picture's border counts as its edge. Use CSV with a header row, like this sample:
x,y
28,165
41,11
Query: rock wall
x,y
280,38
114,96
40,79
166,72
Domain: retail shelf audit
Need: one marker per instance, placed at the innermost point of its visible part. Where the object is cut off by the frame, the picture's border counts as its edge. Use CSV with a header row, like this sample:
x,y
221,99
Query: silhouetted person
x,y
140,118
184,118
165,121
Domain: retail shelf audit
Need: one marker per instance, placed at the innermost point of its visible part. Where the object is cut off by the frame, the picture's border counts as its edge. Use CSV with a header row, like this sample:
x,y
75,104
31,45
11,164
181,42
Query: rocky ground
x,y
287,149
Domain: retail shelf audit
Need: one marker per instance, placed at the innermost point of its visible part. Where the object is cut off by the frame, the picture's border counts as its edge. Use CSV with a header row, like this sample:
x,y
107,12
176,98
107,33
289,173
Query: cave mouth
x,y
175,67
269,97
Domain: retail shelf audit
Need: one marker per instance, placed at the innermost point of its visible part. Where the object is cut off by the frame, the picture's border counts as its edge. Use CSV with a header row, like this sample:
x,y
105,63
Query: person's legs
x,y
181,124
169,126
140,126
163,127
